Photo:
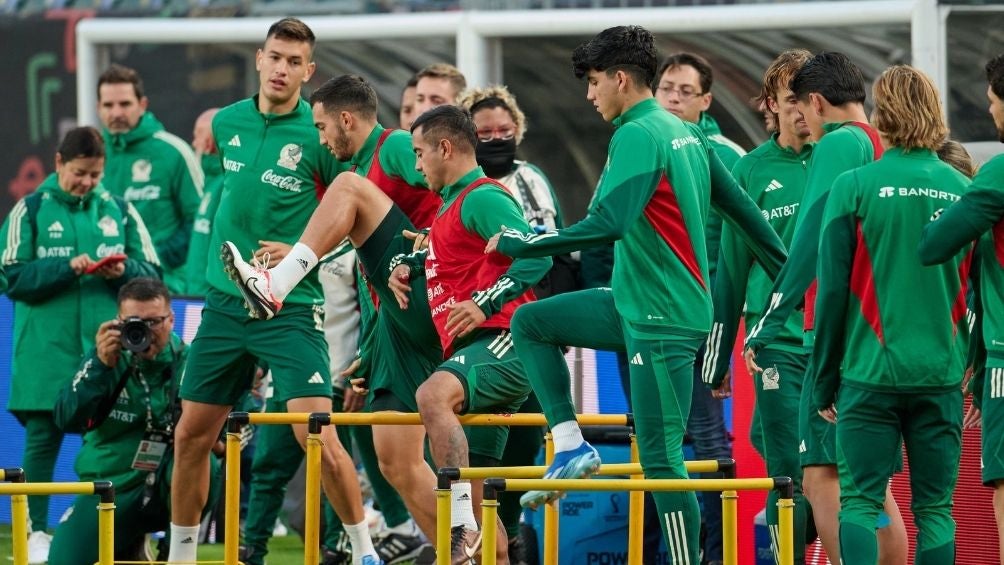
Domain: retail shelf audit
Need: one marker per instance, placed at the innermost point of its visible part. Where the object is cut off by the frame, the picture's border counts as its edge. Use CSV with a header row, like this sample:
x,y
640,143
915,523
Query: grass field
x,y
287,550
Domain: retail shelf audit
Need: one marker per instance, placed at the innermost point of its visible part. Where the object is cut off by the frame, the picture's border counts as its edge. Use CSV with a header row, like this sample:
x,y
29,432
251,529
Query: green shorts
x,y
494,383
817,438
228,343
405,349
993,426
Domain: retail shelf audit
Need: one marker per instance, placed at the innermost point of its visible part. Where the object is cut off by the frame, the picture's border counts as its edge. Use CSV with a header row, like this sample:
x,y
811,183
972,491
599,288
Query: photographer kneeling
x,y
124,399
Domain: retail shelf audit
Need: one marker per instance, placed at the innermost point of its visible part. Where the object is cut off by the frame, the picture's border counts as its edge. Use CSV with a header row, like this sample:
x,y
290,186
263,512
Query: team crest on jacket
x,y
290,155
109,227
141,170
771,378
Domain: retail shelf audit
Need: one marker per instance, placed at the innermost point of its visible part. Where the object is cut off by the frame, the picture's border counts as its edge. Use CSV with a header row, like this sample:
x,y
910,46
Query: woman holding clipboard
x,y
67,249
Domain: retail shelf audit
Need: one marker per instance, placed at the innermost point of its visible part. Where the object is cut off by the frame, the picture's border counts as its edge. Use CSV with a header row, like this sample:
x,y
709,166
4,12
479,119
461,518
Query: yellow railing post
x,y
312,502
730,515
730,527
489,527
785,520
232,488
444,480
18,516
550,512
636,512
106,522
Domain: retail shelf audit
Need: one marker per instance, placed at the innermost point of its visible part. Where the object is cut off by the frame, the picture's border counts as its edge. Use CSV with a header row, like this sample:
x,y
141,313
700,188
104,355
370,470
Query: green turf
x,y
287,550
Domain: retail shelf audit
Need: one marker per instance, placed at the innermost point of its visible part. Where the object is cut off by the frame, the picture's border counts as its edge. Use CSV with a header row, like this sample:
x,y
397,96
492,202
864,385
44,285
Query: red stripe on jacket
x,y
863,285
663,212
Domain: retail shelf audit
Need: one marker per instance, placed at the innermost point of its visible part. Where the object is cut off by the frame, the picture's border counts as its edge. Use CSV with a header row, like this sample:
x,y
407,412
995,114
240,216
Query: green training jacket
x,y
56,312
775,178
978,216
109,448
653,198
844,146
729,152
202,229
886,322
274,172
158,173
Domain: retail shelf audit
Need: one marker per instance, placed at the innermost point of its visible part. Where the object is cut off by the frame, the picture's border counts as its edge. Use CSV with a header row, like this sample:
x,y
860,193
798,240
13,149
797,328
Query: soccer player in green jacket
x,y
660,180
830,95
774,175
979,217
154,170
892,375
684,82
273,170
371,206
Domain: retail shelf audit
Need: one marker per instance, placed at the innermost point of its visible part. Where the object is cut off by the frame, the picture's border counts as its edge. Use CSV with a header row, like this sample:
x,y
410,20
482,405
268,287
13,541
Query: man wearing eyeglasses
x,y
683,88
124,399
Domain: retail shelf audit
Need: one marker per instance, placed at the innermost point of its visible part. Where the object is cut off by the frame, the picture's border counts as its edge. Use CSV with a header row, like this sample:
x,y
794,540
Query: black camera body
x,y
136,334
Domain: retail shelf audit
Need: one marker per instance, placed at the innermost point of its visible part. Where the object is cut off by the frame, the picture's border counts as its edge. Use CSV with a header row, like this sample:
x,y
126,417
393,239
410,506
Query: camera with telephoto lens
x,y
136,334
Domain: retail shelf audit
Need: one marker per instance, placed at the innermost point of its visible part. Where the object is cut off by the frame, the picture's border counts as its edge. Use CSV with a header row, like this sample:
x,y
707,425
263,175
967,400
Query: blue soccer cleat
x,y
370,560
579,463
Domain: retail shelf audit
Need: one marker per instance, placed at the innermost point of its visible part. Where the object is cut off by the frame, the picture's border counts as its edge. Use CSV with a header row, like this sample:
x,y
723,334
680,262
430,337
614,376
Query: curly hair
x,y
494,96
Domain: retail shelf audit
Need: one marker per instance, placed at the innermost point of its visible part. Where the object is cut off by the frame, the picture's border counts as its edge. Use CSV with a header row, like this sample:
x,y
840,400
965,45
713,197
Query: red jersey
x,y
418,203
457,266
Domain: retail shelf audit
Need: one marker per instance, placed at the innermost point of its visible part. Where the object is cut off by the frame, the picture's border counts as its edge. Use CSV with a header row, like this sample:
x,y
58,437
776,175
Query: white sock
x,y
359,537
184,543
406,528
291,270
462,509
566,436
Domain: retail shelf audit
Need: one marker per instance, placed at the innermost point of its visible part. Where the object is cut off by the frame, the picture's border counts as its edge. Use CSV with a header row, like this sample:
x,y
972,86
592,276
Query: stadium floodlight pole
x,y
477,32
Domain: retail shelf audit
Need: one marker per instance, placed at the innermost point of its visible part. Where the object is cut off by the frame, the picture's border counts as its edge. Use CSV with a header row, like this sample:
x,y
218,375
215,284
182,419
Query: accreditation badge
x,y
151,451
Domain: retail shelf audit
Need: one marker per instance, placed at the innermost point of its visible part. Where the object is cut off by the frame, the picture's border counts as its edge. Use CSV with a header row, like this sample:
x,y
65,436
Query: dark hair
x,y
413,82
119,74
291,29
699,63
995,75
82,142
831,75
623,48
144,289
448,122
347,93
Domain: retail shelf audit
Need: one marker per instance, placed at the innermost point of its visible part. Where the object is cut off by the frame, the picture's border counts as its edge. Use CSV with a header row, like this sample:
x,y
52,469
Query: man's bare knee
x,y
441,392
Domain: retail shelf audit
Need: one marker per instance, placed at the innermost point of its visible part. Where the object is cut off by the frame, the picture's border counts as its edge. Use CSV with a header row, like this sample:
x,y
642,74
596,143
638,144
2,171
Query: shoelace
x,y
262,263
457,536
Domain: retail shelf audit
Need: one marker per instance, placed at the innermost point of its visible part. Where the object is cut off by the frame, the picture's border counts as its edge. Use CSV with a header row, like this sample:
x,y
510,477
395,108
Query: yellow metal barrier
x,y
729,486
315,421
550,514
406,419
106,511
18,515
636,510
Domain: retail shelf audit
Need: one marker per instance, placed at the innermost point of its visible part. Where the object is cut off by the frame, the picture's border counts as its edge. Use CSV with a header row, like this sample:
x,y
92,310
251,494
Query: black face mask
x,y
496,156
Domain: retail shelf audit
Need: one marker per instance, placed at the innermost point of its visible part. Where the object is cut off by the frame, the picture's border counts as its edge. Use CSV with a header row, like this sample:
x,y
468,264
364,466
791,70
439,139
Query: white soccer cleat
x,y
254,282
